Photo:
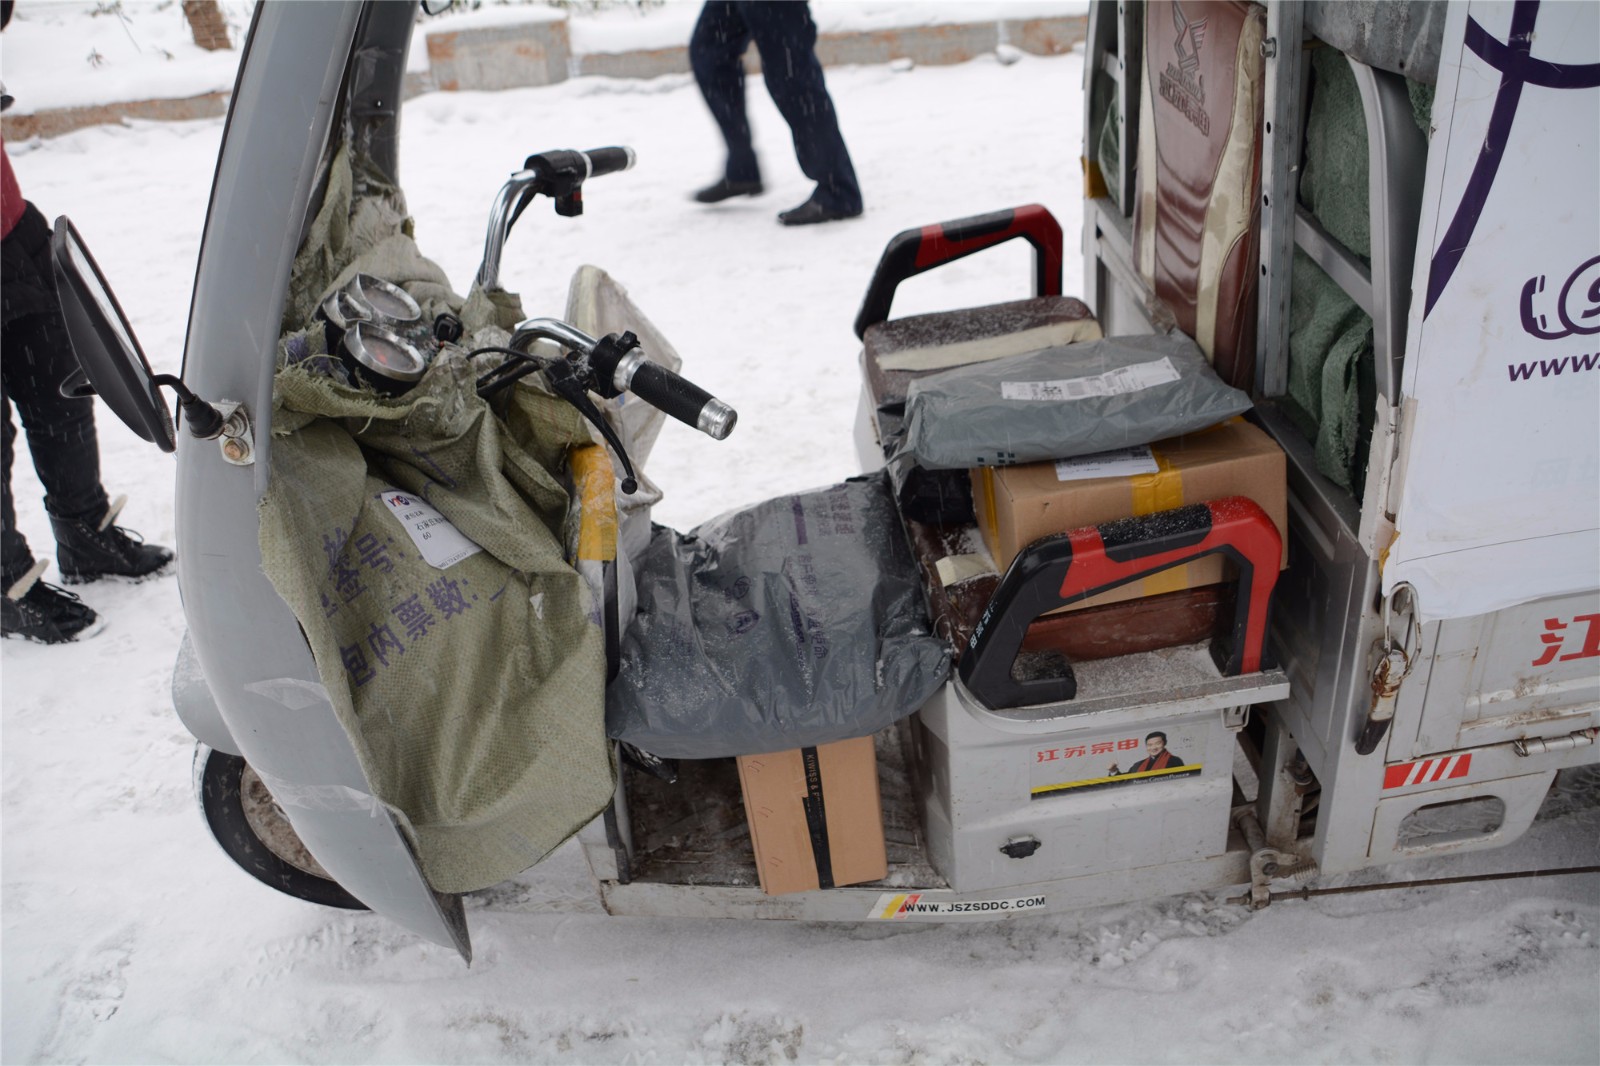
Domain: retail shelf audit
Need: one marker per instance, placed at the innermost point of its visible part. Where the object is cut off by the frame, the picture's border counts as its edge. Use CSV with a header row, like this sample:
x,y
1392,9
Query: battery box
x,y
1014,797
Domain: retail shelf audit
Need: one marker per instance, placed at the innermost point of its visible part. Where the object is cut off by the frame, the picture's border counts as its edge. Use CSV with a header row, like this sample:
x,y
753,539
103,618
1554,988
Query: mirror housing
x,y
103,342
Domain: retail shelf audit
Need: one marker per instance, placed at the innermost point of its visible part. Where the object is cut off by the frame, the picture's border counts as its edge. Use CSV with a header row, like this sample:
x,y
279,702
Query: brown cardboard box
x,y
827,795
1017,505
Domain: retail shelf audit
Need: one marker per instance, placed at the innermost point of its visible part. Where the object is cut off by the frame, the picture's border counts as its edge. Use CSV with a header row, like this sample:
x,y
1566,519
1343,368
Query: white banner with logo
x,y
1500,499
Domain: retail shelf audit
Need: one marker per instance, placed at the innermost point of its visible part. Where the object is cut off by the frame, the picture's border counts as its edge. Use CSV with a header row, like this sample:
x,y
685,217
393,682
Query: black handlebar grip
x,y
683,400
609,160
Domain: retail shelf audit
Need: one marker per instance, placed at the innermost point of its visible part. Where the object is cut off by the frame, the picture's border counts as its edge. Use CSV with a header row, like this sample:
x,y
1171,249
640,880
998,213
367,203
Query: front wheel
x,y
256,834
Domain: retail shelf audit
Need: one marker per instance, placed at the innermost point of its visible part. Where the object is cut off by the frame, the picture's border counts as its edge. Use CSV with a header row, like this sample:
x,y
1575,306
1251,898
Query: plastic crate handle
x,y
1068,567
912,251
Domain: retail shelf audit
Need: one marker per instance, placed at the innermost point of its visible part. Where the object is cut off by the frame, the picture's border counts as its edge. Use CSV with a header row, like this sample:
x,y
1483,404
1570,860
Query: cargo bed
x,y
688,850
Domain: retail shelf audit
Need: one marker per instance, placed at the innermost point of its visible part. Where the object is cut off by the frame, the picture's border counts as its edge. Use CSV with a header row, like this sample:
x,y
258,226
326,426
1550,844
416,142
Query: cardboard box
x,y
815,816
1017,505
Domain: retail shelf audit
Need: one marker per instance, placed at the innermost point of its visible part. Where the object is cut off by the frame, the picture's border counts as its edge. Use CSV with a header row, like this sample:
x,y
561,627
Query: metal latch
x,y
1235,718
1393,665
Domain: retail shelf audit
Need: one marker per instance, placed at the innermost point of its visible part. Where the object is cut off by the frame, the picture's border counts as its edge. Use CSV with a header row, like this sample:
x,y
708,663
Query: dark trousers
x,y
786,39
35,358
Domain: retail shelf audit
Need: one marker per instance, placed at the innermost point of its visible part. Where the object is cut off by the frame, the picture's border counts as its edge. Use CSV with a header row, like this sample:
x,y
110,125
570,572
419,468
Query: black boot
x,y
724,189
33,610
87,551
813,211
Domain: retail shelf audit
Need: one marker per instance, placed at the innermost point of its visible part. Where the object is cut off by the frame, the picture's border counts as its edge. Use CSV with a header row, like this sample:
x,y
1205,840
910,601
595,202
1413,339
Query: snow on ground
x,y
627,27
129,937
73,53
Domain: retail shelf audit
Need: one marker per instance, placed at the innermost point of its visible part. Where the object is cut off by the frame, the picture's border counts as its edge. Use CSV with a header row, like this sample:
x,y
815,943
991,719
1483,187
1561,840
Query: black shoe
x,y
88,551
34,610
812,212
722,190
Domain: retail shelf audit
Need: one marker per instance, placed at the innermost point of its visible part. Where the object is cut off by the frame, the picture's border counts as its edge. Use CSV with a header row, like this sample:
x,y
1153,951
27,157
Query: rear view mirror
x,y
104,343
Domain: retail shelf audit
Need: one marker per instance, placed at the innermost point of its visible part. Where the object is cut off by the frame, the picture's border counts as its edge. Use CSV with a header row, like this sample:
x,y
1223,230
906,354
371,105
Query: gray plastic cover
x,y
1402,36
796,622
1066,401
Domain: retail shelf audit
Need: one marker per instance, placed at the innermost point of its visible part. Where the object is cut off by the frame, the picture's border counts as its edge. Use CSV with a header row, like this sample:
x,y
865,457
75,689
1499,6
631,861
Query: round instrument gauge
x,y
386,303
383,358
365,298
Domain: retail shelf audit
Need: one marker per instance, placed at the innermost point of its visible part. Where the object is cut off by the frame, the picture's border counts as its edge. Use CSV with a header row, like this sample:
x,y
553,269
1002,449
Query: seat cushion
x,y
895,352
1198,187
956,338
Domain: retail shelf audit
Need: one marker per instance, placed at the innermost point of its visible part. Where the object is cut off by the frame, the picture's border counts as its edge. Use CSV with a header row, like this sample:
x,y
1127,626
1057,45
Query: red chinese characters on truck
x,y
1559,636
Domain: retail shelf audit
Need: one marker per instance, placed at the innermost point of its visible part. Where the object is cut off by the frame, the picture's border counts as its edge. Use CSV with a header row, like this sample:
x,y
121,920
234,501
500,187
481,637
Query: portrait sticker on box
x,y
1132,755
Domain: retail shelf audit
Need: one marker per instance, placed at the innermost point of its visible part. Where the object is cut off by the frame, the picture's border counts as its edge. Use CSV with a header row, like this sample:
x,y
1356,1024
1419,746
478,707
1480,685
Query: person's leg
x,y
38,358
15,558
716,54
29,608
786,38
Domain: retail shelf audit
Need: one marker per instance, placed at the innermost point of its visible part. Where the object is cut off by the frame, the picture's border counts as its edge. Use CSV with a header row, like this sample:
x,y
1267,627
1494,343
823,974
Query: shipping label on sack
x,y
1118,382
1119,462
442,545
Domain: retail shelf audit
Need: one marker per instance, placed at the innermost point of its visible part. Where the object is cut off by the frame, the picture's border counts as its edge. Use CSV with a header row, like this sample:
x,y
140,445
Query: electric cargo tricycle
x,y
1361,213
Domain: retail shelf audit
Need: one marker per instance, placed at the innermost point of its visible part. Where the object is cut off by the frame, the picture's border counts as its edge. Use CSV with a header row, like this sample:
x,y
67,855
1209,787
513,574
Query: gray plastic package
x,y
1061,402
796,622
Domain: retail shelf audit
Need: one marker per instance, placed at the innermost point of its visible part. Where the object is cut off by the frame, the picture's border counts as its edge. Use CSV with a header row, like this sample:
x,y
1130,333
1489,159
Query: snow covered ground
x,y
129,937
73,53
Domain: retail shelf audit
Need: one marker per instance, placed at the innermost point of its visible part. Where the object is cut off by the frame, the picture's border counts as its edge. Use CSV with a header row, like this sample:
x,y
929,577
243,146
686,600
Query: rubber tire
x,y
223,806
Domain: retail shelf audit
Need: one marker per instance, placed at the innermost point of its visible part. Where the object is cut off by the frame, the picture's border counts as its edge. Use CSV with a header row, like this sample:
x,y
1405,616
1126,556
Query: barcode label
x,y
1123,462
1124,379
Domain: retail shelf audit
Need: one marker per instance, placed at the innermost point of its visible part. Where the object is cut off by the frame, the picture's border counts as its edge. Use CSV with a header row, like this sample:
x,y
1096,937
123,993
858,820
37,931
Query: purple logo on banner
x,y
1518,67
1577,306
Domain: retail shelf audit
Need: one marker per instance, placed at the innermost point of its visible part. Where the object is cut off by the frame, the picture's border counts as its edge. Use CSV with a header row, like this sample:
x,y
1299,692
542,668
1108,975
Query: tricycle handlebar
x,y
558,174
615,364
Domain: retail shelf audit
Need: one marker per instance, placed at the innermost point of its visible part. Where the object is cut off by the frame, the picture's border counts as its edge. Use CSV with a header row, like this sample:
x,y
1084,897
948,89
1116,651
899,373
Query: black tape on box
x,y
816,817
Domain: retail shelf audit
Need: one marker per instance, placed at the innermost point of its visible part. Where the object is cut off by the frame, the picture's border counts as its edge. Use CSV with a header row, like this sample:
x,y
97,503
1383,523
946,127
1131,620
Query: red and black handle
x,y
913,251
1068,567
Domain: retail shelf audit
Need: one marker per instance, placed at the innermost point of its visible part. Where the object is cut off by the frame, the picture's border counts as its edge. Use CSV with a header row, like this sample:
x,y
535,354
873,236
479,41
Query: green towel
x,y
1330,338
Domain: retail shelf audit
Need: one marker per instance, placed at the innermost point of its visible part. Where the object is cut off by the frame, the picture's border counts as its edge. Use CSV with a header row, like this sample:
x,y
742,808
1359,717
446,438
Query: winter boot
x,y
87,551
724,189
34,610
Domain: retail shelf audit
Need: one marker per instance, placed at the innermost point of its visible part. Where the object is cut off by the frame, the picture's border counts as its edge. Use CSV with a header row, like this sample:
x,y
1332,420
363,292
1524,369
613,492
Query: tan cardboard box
x,y
815,817
1017,505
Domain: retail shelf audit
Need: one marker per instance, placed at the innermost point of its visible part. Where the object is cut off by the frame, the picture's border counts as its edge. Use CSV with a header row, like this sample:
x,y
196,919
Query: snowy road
x,y
129,937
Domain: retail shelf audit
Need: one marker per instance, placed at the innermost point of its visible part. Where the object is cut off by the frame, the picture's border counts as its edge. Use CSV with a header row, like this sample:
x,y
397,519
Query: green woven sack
x,y
420,541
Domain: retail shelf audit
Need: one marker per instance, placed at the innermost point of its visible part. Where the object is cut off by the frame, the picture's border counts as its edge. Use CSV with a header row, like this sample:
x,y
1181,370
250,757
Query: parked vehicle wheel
x,y
256,834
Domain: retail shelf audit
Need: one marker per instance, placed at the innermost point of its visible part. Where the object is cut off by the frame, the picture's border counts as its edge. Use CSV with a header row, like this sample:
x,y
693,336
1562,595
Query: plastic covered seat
x,y
1198,183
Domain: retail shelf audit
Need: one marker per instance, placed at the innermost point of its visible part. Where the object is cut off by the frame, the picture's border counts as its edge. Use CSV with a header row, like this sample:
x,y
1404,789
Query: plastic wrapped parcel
x,y
1062,402
796,622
